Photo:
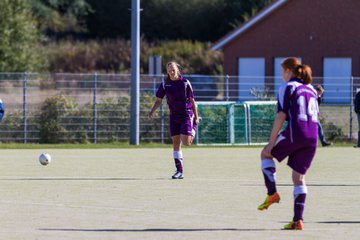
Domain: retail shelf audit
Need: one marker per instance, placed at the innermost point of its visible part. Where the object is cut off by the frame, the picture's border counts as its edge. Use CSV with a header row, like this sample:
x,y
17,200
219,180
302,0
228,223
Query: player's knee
x,y
298,179
299,182
186,140
176,145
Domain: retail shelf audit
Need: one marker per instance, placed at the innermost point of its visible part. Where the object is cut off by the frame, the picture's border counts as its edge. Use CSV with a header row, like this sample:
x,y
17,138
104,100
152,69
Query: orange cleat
x,y
270,199
294,225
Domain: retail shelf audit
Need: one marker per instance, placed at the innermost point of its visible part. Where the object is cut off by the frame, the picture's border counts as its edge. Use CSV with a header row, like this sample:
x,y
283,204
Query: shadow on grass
x,y
340,222
323,185
82,179
155,179
158,230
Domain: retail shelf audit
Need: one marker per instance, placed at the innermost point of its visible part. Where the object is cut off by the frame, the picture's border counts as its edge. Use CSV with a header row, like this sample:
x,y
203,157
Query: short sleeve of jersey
x,y
189,90
283,103
160,93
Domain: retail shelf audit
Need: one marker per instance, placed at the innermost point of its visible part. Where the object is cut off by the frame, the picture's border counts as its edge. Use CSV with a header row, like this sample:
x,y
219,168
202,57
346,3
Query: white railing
x,y
97,106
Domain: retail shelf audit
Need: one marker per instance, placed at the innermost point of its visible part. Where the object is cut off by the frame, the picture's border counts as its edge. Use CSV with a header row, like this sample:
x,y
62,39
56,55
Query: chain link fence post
x,y
162,114
25,78
227,88
351,106
95,107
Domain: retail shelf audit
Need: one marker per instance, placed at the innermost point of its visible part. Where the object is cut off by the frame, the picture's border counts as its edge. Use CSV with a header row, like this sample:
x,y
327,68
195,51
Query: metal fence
x,y
94,108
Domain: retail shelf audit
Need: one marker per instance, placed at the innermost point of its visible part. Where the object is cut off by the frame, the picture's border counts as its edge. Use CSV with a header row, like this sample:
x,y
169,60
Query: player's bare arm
x,y
194,108
279,120
155,106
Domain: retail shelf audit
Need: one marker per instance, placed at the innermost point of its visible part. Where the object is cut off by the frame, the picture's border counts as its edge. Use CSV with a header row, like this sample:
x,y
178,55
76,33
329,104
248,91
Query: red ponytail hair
x,y
298,70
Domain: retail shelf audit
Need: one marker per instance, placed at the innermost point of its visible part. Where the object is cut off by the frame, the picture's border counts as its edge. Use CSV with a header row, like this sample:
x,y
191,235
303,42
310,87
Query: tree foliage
x,y
18,36
56,16
109,19
203,20
175,29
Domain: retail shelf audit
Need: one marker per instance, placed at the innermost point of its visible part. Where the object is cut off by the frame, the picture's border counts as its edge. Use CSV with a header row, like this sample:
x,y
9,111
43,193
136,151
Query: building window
x,y
251,77
337,78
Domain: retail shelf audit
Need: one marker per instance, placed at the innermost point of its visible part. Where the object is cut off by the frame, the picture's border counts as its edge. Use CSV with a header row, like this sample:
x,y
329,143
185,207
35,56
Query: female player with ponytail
x,y
297,104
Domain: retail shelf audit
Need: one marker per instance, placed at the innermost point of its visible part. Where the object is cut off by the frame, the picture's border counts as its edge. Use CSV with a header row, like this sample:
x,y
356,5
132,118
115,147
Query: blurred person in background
x,y
357,110
324,143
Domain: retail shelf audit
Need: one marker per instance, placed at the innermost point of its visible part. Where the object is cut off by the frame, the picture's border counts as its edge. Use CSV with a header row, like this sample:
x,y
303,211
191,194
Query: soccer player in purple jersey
x,y
320,91
183,112
297,104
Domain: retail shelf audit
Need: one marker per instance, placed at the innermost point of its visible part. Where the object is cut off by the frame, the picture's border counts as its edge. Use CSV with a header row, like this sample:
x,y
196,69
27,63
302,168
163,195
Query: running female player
x,y
297,104
183,112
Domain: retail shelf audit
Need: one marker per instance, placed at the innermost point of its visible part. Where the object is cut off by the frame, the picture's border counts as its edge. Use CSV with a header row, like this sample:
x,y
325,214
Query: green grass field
x,y
128,194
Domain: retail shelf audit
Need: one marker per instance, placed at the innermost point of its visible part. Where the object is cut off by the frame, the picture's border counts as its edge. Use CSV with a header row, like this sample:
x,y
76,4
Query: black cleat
x,y
178,175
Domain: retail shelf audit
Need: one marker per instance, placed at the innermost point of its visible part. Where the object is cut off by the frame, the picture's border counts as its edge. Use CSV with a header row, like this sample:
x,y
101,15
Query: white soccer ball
x,y
44,158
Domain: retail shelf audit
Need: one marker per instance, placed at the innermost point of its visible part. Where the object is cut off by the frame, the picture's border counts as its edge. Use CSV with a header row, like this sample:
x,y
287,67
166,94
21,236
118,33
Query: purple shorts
x,y
300,153
182,125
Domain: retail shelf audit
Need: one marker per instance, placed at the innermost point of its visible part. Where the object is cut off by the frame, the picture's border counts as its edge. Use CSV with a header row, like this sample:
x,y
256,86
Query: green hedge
x,y
114,56
61,120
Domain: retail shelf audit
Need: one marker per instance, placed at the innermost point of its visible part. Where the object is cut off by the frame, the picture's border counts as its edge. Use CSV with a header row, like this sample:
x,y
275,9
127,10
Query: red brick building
x,y
322,33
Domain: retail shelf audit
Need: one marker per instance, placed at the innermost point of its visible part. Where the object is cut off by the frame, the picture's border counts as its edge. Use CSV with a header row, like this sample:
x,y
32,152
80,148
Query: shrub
x,y
51,113
214,127
113,119
114,56
74,56
333,132
150,128
194,57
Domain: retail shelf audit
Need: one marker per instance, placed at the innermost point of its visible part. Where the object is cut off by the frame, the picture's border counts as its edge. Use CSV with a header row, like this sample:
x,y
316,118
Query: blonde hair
x,y
175,65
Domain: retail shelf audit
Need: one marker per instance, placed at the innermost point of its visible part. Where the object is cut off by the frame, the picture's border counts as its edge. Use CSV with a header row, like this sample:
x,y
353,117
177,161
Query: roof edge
x,y
248,24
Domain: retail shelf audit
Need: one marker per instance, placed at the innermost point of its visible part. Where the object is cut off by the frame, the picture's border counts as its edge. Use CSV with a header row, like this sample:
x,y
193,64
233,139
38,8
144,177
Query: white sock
x,y
178,154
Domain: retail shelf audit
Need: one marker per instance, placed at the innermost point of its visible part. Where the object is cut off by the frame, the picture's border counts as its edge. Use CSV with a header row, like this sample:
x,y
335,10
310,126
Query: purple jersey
x,y
178,94
299,102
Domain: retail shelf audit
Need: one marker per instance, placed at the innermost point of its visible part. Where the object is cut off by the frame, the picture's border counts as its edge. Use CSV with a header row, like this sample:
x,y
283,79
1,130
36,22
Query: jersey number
x,y
311,109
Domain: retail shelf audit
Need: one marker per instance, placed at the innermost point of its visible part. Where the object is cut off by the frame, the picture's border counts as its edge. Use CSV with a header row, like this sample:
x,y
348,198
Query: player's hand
x,y
196,120
268,148
151,114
